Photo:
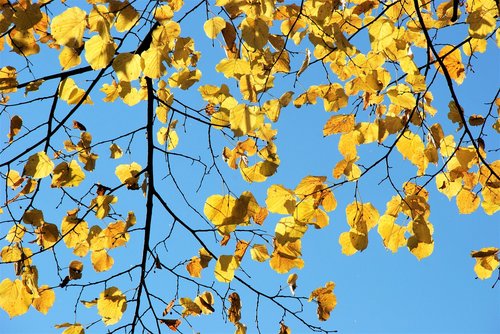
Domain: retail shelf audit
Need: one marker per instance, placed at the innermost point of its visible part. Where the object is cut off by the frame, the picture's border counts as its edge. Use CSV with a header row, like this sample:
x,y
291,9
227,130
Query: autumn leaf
x,y
326,300
486,261
453,63
111,305
38,166
225,267
14,297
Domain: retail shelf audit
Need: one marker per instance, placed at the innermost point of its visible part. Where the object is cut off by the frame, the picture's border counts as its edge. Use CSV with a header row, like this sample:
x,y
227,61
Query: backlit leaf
x,y
214,26
111,305
225,267
38,166
486,261
326,300
14,297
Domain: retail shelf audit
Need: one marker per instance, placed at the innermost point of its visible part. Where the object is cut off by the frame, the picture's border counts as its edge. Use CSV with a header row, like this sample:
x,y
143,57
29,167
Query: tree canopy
x,y
143,140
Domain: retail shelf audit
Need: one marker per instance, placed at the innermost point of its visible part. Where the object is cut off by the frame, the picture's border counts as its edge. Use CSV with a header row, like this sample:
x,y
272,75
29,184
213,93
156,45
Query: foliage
x,y
372,64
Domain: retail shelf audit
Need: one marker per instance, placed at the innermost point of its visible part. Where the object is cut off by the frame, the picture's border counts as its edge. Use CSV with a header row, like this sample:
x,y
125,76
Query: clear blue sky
x,y
377,291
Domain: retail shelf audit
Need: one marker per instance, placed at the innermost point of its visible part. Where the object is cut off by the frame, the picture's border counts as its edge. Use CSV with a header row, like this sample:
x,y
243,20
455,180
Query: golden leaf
x,y
255,32
8,82
467,201
16,233
190,307
225,267
68,27
71,93
214,26
338,124
101,205
393,235
111,305
259,253
38,165
280,200
326,300
127,174
101,260
74,230
67,175
116,151
486,261
453,63
99,52
45,300
14,297
127,66
234,312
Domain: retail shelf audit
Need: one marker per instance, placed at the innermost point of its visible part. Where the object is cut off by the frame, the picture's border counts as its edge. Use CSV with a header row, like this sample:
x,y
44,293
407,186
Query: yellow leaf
x,y
67,175
411,147
326,300
71,93
286,256
184,78
101,260
194,267
205,302
467,201
338,124
16,233
127,66
101,205
74,230
381,32
153,62
482,17
47,235
115,234
127,174
190,307
71,328
292,282
352,242
116,151
68,27
23,42
38,165
244,119
393,235
280,200
453,63
259,253
99,52
225,267
486,261
111,305
420,243
14,297
233,68
402,96
255,32
8,82
163,13
219,210
127,16
45,300
362,216
214,26
69,57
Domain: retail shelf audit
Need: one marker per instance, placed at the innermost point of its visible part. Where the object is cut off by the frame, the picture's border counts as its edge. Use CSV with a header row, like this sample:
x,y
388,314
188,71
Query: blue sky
x,y
377,291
